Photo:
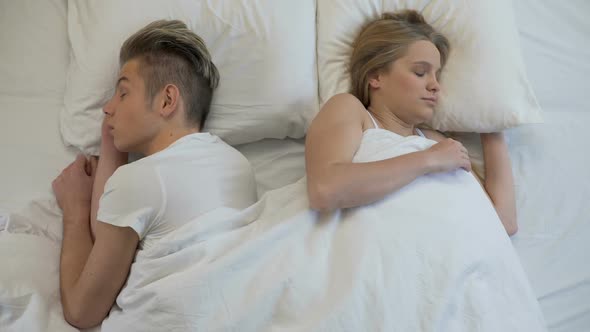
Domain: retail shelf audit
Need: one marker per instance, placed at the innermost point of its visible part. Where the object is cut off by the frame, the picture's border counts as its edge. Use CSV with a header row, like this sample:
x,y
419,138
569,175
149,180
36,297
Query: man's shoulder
x,y
134,173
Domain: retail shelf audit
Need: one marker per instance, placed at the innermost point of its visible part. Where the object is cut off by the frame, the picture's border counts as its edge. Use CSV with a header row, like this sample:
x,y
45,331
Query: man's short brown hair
x,y
170,53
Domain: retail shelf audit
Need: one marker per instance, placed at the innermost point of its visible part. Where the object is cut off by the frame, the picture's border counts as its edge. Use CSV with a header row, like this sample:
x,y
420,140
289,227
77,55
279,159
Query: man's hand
x,y
73,187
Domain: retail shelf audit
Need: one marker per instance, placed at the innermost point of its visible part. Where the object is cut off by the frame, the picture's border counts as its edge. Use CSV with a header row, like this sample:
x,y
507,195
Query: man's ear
x,y
170,100
375,79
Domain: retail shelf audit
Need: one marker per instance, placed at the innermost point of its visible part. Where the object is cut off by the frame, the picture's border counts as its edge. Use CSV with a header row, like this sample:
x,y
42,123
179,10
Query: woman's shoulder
x,y
340,111
342,105
344,99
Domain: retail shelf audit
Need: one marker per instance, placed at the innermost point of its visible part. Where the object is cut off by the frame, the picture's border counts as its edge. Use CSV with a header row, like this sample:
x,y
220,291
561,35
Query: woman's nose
x,y
433,85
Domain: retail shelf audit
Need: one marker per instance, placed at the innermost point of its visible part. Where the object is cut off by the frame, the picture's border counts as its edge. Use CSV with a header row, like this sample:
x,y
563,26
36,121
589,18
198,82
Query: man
x,y
110,210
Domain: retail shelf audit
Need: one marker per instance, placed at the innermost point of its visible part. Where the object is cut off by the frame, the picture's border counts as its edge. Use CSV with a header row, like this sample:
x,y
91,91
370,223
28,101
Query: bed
x,y
550,161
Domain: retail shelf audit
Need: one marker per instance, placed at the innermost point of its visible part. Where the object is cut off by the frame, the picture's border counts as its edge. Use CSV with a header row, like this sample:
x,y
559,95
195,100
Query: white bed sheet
x,y
276,163
552,161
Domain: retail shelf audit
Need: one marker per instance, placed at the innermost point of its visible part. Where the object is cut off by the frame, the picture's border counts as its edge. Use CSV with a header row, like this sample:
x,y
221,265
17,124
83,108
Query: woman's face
x,y
409,87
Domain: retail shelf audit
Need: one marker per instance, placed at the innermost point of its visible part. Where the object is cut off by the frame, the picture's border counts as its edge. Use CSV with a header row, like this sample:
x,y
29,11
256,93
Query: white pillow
x,y
34,50
265,53
484,85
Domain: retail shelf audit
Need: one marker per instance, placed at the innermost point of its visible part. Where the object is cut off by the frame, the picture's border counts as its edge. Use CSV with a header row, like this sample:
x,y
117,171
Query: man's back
x,y
161,192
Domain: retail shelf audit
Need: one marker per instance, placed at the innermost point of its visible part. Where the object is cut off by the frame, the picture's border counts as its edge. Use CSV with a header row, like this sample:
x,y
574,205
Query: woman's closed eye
x,y
420,73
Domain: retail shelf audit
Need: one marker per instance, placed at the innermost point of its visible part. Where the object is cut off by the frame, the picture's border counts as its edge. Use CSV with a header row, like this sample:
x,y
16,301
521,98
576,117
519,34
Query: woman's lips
x,y
430,101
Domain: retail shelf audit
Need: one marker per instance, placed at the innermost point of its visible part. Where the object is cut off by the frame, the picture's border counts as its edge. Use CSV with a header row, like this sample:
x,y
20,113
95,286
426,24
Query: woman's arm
x,y
334,181
498,181
110,159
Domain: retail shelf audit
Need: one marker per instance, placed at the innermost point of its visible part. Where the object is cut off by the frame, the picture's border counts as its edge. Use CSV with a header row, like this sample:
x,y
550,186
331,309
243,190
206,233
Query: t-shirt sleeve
x,y
133,198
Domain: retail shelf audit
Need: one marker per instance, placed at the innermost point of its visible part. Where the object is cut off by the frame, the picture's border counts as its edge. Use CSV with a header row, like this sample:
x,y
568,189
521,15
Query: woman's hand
x,y
448,155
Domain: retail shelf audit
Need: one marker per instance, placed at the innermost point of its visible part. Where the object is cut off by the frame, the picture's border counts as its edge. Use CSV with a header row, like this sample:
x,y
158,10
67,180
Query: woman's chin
x,y
427,114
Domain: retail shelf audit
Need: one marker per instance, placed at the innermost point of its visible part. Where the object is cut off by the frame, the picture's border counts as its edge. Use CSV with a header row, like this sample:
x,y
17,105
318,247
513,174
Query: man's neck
x,y
165,138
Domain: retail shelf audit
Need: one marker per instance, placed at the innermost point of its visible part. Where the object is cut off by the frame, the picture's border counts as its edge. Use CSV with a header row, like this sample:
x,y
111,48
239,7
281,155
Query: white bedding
x,y
550,161
31,150
279,265
276,163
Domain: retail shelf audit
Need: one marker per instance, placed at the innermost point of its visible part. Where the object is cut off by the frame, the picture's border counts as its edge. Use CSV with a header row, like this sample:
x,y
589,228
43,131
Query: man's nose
x,y
109,107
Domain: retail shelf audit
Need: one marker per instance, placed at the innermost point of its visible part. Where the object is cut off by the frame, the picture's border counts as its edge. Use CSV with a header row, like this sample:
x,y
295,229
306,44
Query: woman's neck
x,y
390,121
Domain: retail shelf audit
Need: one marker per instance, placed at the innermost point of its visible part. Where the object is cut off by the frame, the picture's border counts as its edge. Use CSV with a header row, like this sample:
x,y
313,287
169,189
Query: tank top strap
x,y
372,119
420,132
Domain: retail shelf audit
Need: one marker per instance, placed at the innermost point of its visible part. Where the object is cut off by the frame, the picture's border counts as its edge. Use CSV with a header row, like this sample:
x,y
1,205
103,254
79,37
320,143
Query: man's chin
x,y
120,146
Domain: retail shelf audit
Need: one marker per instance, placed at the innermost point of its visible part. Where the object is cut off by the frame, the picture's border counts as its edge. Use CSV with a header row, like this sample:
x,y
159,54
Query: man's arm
x,y
87,293
91,276
110,160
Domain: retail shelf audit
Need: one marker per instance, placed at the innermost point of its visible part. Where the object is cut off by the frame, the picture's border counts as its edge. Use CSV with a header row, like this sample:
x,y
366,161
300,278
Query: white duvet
x,y
430,257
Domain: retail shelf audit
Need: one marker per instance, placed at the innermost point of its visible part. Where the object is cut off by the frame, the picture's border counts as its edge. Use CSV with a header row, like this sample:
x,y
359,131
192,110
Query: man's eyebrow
x,y
122,78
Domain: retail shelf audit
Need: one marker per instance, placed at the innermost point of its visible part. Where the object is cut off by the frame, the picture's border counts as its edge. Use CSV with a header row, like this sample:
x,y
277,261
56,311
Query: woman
x,y
395,69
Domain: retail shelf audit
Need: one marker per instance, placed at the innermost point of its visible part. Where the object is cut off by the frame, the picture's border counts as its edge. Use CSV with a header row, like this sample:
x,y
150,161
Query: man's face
x,y
128,115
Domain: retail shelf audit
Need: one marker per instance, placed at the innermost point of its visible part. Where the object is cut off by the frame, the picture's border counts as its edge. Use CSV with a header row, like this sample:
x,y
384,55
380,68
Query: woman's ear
x,y
170,100
375,79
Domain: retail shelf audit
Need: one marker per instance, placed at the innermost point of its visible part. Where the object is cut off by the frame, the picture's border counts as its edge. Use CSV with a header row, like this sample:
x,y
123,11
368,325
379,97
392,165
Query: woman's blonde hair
x,y
386,39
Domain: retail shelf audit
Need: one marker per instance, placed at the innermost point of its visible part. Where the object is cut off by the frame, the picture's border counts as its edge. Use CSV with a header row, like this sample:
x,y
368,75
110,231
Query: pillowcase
x,y
484,84
34,50
264,51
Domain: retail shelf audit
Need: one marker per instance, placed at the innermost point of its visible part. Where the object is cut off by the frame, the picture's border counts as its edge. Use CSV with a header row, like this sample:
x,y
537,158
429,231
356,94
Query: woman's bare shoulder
x,y
342,107
341,100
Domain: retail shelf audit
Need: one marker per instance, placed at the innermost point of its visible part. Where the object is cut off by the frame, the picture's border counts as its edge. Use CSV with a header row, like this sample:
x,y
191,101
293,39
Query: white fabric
x,y
549,163
552,162
431,257
265,53
484,84
33,49
375,125
30,243
276,163
33,65
31,151
554,37
159,193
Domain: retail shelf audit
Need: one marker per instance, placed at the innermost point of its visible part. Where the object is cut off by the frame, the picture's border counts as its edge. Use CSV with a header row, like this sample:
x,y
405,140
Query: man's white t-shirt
x,y
161,192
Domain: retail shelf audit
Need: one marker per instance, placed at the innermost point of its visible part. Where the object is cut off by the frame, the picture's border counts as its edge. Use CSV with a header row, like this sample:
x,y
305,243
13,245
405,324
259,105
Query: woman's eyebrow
x,y
424,63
